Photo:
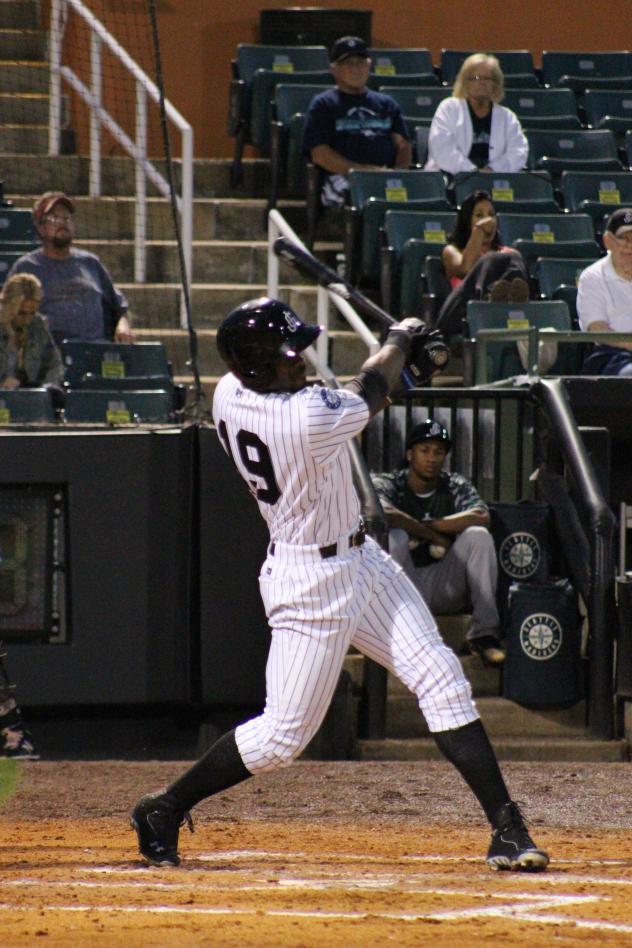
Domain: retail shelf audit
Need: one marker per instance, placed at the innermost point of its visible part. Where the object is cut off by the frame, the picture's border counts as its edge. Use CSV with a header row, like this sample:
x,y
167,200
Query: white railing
x,y
277,227
100,118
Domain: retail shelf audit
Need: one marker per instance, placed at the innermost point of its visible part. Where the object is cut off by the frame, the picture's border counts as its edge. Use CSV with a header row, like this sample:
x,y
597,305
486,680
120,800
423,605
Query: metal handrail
x,y
278,226
532,334
100,118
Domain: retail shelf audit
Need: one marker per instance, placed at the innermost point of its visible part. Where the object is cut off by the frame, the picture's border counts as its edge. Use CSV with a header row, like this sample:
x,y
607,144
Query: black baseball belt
x,y
326,552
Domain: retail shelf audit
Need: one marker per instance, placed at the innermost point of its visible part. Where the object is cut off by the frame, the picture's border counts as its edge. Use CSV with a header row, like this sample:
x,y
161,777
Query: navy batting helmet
x,y
429,430
259,333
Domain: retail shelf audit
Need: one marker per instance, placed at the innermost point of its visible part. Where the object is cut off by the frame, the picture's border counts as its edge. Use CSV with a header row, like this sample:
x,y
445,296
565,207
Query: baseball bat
x,y
306,262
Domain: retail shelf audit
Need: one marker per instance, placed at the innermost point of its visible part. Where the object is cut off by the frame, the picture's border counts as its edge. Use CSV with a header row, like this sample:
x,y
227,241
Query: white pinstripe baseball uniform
x,y
290,448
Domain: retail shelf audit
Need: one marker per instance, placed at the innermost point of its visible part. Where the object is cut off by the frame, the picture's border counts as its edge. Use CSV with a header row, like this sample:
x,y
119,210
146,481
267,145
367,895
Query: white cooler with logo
x,y
543,667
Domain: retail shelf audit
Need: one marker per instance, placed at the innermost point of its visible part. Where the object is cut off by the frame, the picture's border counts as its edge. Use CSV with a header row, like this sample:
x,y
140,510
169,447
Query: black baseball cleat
x,y
511,846
157,823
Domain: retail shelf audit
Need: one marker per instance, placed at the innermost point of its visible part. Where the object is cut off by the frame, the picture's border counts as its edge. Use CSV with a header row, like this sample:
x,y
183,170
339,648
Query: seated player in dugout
x,y
79,299
325,584
352,127
438,533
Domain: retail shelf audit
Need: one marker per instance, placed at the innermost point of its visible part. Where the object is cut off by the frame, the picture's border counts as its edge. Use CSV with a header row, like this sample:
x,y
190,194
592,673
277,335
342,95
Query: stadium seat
x,y
557,280
516,192
371,195
436,288
549,235
287,161
400,62
255,73
410,237
118,407
421,79
543,108
586,150
514,63
26,405
420,143
418,104
502,359
142,365
589,192
16,227
609,108
583,70
627,144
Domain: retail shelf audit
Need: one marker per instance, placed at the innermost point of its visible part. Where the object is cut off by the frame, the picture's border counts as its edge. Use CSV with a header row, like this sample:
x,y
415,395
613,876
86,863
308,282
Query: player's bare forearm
x,y
416,529
458,522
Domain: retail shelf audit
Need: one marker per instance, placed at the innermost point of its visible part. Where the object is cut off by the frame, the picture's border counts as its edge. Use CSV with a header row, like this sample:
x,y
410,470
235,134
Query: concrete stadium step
x,y
23,44
23,108
36,173
214,261
158,304
16,76
515,748
114,218
502,718
24,139
347,351
19,14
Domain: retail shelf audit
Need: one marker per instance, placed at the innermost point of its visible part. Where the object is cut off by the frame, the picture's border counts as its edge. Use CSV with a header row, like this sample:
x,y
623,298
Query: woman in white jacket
x,y
470,131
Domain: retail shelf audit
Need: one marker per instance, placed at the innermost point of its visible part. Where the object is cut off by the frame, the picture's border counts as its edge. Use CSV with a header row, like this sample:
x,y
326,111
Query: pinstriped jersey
x,y
290,448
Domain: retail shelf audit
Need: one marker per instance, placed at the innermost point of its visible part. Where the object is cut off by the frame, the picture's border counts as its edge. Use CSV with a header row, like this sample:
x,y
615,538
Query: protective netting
x,y
78,101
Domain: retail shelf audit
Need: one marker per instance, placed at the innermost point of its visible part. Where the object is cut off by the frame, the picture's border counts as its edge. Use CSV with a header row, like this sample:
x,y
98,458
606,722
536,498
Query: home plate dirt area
x,y
321,854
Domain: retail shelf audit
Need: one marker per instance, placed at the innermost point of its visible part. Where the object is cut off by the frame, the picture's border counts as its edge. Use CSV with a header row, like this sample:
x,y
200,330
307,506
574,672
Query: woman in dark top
x,y
478,265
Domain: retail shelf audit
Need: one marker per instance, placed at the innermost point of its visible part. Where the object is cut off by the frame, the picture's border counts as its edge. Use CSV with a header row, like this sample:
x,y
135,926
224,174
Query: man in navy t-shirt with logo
x,y
351,126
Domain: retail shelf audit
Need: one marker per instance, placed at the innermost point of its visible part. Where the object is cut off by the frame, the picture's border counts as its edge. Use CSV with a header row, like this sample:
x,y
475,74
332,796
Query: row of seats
x,y
257,70
412,238
106,383
374,193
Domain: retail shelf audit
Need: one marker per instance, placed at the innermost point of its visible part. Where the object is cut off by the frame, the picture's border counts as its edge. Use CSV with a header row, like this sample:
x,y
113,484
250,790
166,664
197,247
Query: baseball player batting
x,y
324,583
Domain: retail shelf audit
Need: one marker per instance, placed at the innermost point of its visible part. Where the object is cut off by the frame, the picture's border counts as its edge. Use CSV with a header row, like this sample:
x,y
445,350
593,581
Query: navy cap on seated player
x,y
261,341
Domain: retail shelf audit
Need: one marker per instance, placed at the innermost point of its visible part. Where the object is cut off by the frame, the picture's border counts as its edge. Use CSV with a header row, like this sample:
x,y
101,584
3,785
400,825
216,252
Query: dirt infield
x,y
323,854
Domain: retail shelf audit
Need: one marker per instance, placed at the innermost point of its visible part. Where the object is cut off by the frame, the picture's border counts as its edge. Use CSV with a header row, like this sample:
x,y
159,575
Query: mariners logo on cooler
x,y
540,636
520,555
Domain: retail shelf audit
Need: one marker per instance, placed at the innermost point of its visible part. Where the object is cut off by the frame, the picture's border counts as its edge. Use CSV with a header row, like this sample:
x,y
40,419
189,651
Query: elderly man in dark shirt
x,y
438,533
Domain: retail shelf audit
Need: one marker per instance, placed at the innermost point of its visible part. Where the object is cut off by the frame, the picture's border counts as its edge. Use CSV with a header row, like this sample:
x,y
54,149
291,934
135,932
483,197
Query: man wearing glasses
x,y
604,298
80,301
470,131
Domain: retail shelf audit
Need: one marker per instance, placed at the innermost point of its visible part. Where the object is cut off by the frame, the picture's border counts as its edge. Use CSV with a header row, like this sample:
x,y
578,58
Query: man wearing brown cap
x,y
604,298
80,301
351,126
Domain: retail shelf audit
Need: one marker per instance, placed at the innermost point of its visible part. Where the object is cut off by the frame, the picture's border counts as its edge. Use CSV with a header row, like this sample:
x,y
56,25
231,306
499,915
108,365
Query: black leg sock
x,y
221,767
469,750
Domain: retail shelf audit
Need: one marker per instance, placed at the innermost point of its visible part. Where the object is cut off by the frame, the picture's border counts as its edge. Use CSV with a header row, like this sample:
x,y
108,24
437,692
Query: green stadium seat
x,y
557,280
587,70
386,83
7,259
371,195
256,71
549,235
609,108
287,161
26,406
589,192
502,359
585,150
100,365
514,62
436,288
420,143
418,104
410,237
118,407
400,61
17,227
517,192
543,108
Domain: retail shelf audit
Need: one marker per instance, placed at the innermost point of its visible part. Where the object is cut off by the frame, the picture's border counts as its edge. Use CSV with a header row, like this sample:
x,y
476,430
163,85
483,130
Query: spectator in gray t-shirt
x,y
80,301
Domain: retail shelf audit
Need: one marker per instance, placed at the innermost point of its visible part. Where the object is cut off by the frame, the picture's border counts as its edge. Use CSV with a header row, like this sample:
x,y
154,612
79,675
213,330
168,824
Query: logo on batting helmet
x,y
429,430
255,336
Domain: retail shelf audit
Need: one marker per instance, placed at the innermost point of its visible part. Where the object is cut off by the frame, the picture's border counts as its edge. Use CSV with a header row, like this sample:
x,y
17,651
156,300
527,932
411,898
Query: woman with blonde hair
x,y
28,355
471,131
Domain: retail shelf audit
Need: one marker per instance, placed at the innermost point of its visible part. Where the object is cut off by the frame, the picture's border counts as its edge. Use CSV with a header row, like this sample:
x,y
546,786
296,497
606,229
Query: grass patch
x,y
9,779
